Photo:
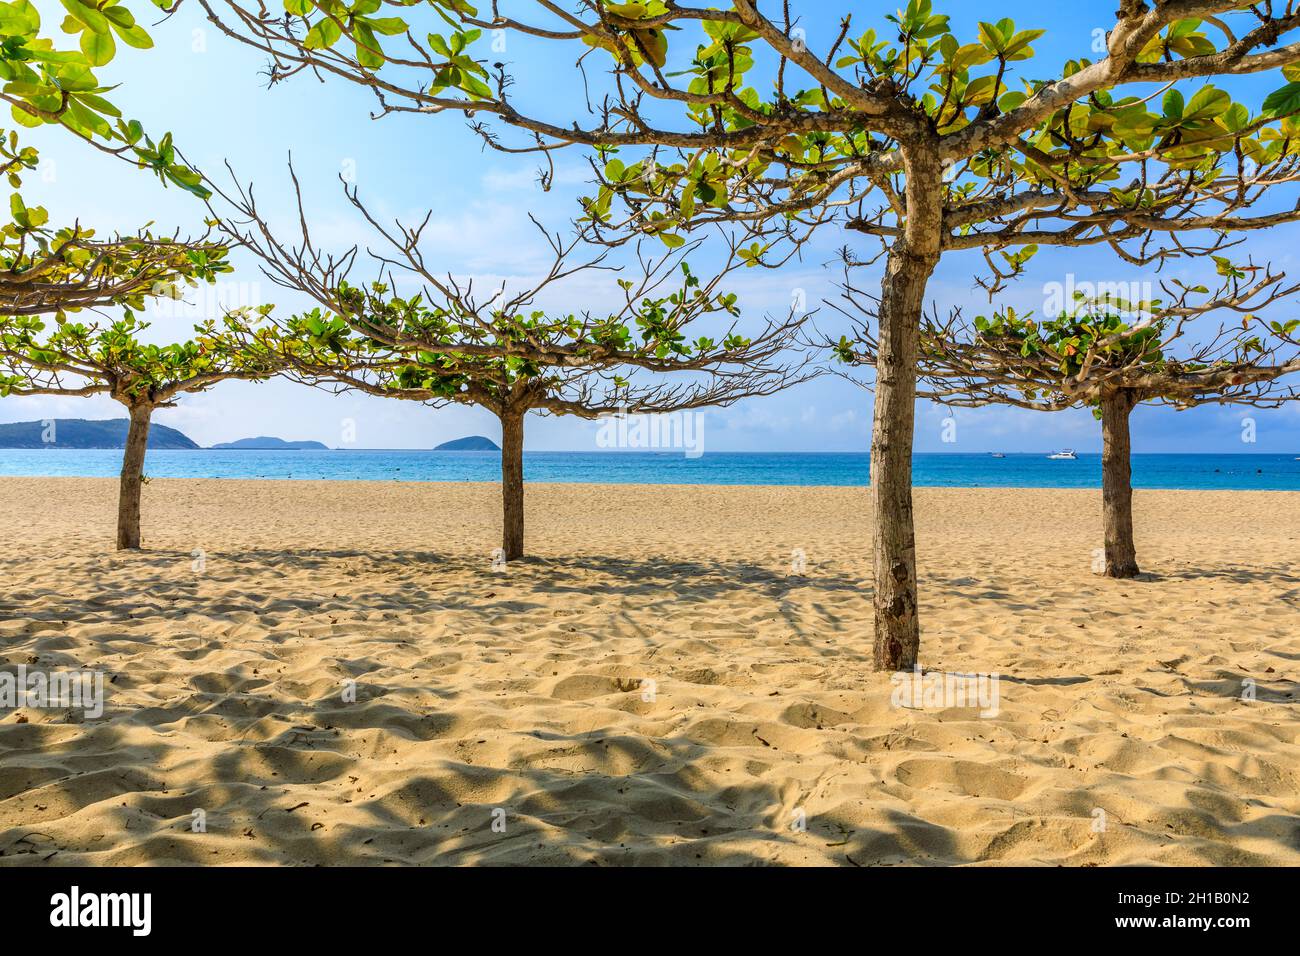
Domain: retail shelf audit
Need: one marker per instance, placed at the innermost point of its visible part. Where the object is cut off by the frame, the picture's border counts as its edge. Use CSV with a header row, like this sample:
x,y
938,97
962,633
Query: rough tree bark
x,y
128,498
1117,484
512,485
911,261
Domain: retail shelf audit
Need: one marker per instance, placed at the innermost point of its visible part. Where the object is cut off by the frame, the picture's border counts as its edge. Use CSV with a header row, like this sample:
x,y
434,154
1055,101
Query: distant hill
x,y
80,433
472,443
266,443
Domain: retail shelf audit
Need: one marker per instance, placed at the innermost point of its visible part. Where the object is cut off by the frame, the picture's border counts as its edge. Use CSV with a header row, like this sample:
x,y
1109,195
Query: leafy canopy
x,y
779,138
442,349
72,357
57,270
45,84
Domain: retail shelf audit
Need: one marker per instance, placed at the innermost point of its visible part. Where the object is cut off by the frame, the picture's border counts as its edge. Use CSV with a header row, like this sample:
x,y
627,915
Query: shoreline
x,y
669,452
643,485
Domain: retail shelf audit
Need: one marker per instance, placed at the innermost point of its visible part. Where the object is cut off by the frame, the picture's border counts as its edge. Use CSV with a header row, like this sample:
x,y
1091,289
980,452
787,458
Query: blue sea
x,y
1259,472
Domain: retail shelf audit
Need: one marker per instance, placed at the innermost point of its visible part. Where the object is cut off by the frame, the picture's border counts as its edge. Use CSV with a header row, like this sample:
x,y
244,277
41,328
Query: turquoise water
x,y
1261,472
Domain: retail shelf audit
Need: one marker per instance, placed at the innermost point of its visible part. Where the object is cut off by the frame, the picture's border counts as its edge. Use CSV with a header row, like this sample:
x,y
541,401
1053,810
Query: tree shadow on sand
x,y
309,779
295,798
159,583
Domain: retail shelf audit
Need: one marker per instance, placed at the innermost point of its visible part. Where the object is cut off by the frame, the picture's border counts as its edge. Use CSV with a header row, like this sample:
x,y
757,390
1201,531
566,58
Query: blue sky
x,y
209,91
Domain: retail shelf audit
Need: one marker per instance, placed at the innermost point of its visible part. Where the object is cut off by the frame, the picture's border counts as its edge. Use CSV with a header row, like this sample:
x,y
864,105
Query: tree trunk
x,y
512,485
912,259
897,630
128,499
1117,485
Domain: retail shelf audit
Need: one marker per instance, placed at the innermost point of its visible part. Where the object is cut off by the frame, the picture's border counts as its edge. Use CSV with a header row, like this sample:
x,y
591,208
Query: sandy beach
x,y
656,686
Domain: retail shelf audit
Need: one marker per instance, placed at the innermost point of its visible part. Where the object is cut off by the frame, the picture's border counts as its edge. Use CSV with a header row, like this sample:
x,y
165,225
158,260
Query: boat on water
x,y
996,454
1065,454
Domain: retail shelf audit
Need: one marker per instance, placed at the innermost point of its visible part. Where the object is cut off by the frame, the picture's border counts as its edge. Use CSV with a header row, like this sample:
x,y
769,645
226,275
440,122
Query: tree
x,y
912,136
47,271
446,345
1108,355
89,359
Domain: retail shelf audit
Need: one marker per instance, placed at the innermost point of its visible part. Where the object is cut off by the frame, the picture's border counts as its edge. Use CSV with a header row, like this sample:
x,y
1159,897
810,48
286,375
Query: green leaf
x,y
996,36
86,121
121,16
134,35
1283,102
87,14
99,105
24,118
98,47
475,87
15,21
323,35
388,26
368,48
1173,104
1208,103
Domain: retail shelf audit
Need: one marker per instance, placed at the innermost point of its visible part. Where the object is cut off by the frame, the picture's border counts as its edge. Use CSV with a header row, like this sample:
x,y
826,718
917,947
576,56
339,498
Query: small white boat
x,y
996,454
1065,454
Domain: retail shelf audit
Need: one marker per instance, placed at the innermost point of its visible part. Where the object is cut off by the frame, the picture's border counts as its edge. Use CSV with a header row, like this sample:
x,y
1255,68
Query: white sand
x,y
525,691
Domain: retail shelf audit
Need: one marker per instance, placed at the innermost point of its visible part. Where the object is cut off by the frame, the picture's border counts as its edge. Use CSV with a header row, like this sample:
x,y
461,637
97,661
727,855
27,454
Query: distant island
x,y
267,443
472,443
81,433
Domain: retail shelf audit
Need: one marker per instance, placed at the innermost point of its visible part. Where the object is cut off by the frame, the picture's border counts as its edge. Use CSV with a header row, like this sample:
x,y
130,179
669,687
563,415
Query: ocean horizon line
x,y
668,452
